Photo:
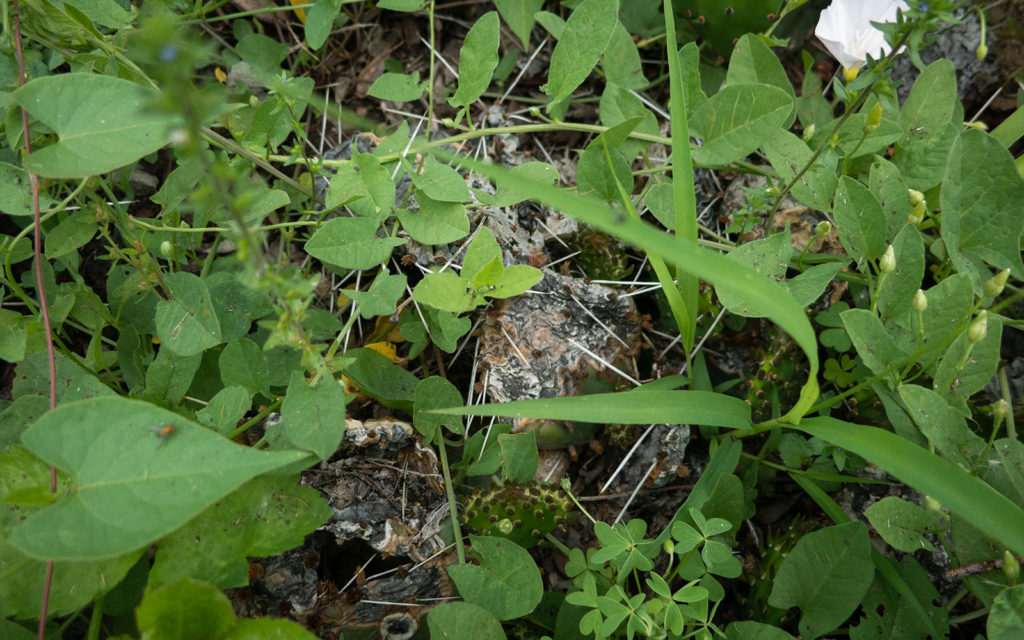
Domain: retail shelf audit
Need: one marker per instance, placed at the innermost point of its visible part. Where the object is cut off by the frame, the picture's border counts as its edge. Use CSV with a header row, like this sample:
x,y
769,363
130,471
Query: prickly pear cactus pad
x,y
523,514
721,22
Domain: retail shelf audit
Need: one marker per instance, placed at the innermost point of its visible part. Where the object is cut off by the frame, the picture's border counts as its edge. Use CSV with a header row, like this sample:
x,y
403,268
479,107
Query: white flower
x,y
846,31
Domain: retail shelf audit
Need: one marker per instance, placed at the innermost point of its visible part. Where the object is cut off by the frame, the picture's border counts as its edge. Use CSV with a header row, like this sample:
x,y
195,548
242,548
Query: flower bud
x,y
915,197
809,132
982,51
1011,566
669,546
933,505
994,285
850,74
874,118
535,111
448,122
166,249
917,215
833,142
920,302
823,228
977,124
888,262
979,328
1000,409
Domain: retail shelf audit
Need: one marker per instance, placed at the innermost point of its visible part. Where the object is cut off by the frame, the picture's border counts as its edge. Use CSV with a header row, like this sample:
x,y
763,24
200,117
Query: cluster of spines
x,y
521,513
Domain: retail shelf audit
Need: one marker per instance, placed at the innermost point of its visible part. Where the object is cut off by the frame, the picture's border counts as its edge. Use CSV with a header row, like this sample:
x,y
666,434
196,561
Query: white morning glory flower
x,y
846,31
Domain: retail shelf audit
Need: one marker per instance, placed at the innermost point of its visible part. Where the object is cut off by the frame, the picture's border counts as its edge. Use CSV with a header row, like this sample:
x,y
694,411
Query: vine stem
x,y
40,286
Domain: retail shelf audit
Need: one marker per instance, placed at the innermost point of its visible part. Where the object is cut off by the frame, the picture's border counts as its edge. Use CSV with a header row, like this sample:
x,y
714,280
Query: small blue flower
x,y
169,53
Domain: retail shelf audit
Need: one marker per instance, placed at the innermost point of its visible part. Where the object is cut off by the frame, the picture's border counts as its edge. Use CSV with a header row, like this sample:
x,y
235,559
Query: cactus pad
x,y
521,513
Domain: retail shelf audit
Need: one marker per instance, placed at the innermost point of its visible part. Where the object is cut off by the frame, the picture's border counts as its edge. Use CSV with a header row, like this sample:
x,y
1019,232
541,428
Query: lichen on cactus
x,y
521,513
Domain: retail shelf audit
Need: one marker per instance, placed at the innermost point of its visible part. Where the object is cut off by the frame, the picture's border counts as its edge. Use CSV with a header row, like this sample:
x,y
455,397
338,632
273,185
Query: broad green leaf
x,y
379,185
1006,617
594,173
446,328
551,22
236,305
768,256
352,243
618,105
445,291
789,154
381,298
905,604
266,627
873,343
515,280
379,378
477,60
347,185
659,202
440,182
243,363
71,233
397,86
897,292
463,620
519,456
506,583
853,142
435,392
981,191
187,323
313,418
169,376
225,409
753,62
933,99
630,407
921,155
903,524
132,486
267,515
585,37
945,429
887,183
859,220
956,489
737,120
621,61
826,574
186,608
101,122
809,285
320,21
689,70
751,630
435,222
518,14
509,194
761,294
483,250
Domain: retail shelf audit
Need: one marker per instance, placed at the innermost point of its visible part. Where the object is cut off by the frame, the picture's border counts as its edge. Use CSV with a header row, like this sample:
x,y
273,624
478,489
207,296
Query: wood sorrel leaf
x,y
132,486
477,60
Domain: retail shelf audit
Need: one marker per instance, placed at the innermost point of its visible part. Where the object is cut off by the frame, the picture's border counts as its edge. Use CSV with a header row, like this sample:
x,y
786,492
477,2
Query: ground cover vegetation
x,y
517,319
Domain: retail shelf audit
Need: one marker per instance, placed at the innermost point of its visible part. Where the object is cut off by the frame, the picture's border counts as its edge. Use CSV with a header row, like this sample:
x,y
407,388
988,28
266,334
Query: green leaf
x,y
236,305
897,292
630,407
225,409
518,14
921,155
379,184
319,22
185,609
826,574
243,363
809,285
266,516
981,191
276,628
352,243
379,378
887,183
397,86
101,121
401,5
187,324
515,280
70,234
621,61
789,154
933,99
506,583
689,68
440,182
132,487
594,174
519,455
768,256
169,377
751,630
463,620
435,222
1006,617
737,120
445,291
753,62
483,250
860,222
381,298
436,392
962,493
903,524
510,194
313,418
945,429
963,379
617,106
477,60
873,343
586,35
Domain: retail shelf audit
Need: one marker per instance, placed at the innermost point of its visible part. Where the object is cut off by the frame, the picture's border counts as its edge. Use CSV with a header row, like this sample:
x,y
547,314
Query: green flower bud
x,y
823,228
1011,566
809,132
915,196
1000,409
982,51
994,285
535,111
669,546
933,505
888,262
448,122
979,328
977,124
254,101
874,118
920,302
833,142
917,215
166,249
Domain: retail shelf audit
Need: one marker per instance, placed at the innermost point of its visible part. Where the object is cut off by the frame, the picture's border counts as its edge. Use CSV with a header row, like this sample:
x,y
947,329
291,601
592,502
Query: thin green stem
x,y
453,506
